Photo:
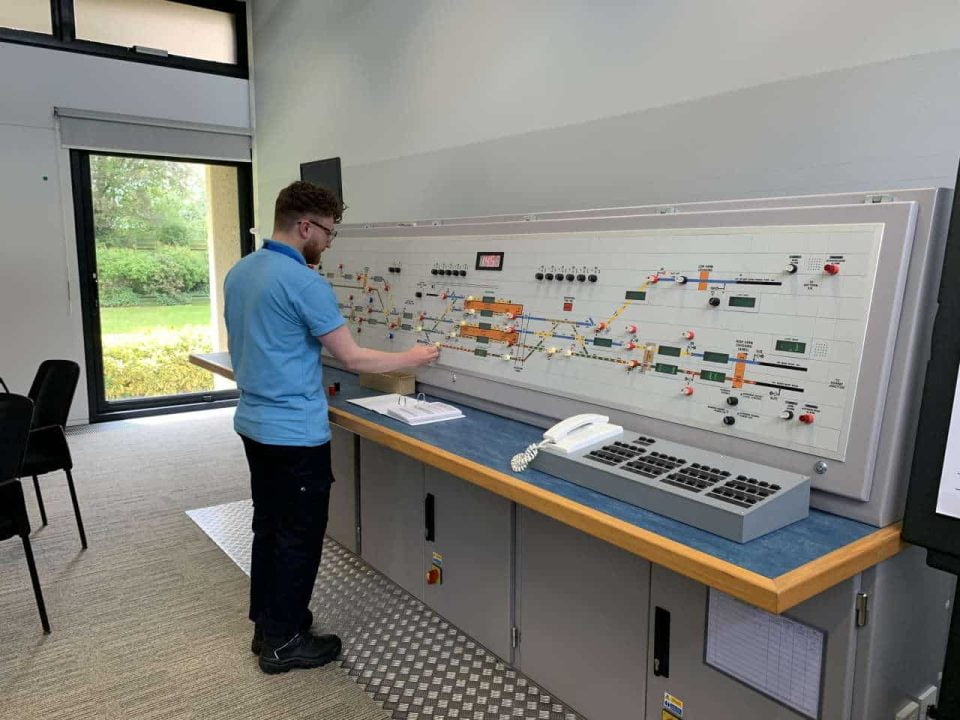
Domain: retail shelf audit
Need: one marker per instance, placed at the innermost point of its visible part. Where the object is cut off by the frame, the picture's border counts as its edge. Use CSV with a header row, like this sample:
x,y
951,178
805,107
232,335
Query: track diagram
x,y
753,331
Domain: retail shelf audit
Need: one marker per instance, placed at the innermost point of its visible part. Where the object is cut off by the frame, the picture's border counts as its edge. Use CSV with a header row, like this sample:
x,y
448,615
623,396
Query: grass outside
x,y
141,318
145,350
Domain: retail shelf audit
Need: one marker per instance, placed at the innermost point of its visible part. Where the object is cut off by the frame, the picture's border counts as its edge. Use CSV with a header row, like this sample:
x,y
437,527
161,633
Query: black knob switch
x,y
592,278
448,271
559,277
539,276
581,278
434,272
732,400
571,277
714,301
549,276
463,273
729,419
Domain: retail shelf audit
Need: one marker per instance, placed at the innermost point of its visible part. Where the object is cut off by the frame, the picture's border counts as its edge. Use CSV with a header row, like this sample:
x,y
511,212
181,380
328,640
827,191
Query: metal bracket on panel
x,y
876,199
862,615
667,211
514,637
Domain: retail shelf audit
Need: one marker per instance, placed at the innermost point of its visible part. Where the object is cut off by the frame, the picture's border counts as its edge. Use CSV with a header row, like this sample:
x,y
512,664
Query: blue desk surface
x,y
491,440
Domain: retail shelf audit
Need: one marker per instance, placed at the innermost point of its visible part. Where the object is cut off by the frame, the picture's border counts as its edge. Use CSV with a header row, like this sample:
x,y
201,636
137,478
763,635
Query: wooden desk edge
x,y
814,577
211,365
774,595
748,586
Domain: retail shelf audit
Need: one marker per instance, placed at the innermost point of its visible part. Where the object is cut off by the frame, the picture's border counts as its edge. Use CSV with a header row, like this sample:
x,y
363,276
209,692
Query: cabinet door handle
x,y
661,642
430,527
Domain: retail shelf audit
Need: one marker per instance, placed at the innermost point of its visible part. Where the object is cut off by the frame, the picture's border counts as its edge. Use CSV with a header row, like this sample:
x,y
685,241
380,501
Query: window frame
x,y
100,408
64,38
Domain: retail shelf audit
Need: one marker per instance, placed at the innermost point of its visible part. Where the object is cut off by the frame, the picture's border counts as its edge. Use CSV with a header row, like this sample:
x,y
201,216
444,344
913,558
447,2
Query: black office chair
x,y
47,450
16,412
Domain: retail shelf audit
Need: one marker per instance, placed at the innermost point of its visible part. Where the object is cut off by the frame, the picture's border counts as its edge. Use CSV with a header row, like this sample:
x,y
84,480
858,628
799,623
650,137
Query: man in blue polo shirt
x,y
279,314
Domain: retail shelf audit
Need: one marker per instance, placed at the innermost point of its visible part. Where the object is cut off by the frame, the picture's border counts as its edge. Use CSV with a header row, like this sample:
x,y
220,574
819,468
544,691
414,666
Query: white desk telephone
x,y
570,435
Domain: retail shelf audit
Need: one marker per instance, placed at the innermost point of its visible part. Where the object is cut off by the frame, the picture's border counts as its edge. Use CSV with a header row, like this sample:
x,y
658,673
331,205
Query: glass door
x,y
156,237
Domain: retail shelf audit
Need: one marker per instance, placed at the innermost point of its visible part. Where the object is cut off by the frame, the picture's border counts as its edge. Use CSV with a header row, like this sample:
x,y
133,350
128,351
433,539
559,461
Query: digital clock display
x,y
489,261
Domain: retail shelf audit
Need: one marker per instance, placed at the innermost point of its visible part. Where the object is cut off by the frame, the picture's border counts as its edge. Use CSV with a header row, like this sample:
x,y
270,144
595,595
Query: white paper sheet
x,y
948,497
380,403
779,657
409,410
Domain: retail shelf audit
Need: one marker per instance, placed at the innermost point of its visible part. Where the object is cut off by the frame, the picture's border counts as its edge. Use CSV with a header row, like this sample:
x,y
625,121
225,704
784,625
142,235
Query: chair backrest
x,y
52,391
15,414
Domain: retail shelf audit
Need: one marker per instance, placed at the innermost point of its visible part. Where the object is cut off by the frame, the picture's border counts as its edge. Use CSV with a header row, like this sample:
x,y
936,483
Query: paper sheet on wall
x,y
948,497
777,656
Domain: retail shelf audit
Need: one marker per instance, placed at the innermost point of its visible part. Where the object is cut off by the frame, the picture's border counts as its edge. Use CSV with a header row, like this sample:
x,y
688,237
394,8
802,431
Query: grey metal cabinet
x,y
473,544
472,536
344,520
391,515
708,693
901,650
582,608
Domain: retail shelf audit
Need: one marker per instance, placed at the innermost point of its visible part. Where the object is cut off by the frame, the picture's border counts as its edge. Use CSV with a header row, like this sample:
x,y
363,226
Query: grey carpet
x,y
150,622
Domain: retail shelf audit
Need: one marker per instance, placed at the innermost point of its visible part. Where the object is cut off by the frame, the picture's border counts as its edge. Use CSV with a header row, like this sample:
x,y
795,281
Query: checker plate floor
x,y
407,658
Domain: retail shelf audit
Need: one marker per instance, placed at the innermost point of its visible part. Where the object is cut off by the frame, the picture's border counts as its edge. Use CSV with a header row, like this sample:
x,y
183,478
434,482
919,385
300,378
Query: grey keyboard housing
x,y
733,498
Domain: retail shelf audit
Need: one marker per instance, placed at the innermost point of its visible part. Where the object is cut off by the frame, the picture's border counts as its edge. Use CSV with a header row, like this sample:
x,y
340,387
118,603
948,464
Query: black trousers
x,y
291,500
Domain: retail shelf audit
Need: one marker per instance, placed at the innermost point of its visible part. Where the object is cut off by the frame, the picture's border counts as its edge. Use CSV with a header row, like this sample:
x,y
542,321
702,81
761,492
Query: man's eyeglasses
x,y
331,233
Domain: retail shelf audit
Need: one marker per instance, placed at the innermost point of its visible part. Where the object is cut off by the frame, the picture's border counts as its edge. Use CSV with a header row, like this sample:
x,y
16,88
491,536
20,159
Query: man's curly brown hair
x,y
302,198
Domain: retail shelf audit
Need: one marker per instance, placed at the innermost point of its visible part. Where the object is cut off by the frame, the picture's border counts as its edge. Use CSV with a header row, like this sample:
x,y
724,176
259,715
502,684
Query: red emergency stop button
x,y
433,576
831,268
806,419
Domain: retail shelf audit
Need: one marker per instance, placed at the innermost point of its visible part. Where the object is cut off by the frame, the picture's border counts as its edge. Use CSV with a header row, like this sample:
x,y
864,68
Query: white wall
x,y
444,108
39,285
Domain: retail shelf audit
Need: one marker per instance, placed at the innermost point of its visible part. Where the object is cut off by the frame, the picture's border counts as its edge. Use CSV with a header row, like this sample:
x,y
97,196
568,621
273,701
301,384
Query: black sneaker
x,y
257,641
304,650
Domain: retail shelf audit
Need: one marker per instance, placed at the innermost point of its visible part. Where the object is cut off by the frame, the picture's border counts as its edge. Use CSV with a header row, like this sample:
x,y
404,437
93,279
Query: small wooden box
x,y
400,382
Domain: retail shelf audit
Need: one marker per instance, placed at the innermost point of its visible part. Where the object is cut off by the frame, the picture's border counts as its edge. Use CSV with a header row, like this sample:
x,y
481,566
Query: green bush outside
x,y
116,297
154,363
169,274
